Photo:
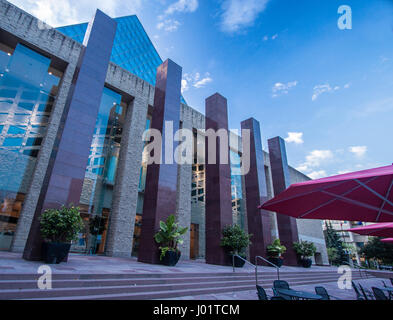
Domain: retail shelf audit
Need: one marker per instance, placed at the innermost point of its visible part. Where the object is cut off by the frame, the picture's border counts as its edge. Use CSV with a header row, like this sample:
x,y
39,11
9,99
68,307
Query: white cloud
x,y
274,37
315,158
182,6
240,13
184,85
320,89
295,137
195,80
282,88
343,171
66,12
325,88
317,174
203,82
168,25
358,151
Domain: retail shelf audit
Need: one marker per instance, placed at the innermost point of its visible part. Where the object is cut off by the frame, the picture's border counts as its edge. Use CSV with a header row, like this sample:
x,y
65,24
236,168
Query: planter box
x,y
306,263
277,261
55,252
171,258
239,263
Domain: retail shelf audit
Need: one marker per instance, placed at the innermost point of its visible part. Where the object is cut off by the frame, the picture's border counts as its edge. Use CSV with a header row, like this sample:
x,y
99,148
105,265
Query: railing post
x,y
256,271
233,262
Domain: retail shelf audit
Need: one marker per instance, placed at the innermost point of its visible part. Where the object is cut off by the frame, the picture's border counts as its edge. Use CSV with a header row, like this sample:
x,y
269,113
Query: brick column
x,y
287,226
256,193
218,184
125,194
161,179
64,177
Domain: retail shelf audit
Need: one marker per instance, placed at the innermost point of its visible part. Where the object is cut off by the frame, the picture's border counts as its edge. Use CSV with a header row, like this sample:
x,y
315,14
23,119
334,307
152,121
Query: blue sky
x,y
329,92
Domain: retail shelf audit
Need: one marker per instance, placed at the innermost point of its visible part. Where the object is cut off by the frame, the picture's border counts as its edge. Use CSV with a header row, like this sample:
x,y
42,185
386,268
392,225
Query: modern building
x,y
74,106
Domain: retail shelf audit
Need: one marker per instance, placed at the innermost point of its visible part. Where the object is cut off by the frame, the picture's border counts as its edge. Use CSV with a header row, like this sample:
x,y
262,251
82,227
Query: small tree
x,y
276,249
377,250
169,236
333,241
235,239
332,255
304,249
61,225
97,225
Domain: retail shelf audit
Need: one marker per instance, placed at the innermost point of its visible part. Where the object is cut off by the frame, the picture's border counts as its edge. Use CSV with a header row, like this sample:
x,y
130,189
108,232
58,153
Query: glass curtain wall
x,y
97,191
236,190
28,89
141,193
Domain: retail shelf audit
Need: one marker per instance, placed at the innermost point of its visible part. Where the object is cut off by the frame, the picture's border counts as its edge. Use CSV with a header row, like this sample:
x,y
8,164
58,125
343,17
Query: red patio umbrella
x,y
358,196
375,230
388,240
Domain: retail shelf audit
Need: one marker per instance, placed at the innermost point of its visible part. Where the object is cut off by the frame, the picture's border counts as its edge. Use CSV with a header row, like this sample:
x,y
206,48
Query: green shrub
x,y
235,239
276,249
61,225
97,225
304,249
169,235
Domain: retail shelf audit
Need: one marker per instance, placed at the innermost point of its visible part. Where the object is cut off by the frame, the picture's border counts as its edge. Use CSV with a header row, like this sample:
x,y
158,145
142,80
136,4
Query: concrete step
x,y
176,292
68,283
76,288
86,276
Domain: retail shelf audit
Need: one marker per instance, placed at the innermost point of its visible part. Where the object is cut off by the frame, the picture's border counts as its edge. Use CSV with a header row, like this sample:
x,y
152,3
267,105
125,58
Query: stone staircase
x,y
150,286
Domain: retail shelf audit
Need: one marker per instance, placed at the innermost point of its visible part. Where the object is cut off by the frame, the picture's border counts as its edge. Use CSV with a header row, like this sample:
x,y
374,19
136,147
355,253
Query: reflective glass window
x,y
24,76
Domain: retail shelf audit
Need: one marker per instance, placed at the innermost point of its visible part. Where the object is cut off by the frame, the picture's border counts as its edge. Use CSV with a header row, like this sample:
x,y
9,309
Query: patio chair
x,y
280,284
379,295
366,293
359,296
280,296
262,293
390,293
321,291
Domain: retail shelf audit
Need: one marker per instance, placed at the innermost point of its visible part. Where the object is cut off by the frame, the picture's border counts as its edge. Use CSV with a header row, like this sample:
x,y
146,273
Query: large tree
x,y
378,250
334,242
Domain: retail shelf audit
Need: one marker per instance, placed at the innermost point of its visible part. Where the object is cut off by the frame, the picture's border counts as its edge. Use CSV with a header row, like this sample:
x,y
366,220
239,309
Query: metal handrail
x,y
255,265
233,261
360,268
267,261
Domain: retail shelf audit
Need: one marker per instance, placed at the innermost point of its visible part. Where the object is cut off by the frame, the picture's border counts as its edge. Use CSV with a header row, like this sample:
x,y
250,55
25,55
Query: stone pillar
x,y
256,193
161,179
218,183
64,177
184,191
287,226
125,193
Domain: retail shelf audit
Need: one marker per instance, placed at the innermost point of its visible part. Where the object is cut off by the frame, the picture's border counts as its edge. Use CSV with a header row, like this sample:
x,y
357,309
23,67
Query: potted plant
x,y
58,228
305,250
275,252
235,240
169,236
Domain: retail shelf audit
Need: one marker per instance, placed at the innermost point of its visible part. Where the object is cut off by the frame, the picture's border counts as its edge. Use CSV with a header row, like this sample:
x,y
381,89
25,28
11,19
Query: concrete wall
x,y
54,44
310,230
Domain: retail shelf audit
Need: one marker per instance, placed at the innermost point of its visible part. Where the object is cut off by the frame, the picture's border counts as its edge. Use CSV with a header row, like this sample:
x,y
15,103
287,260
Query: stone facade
x,y
140,96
